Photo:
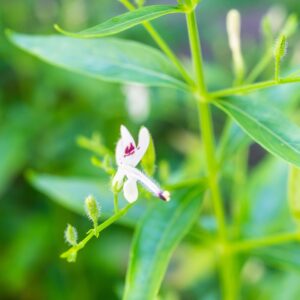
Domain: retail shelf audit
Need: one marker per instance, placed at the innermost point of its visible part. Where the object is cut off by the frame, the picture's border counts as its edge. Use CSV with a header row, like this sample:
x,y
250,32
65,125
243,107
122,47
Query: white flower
x,y
128,155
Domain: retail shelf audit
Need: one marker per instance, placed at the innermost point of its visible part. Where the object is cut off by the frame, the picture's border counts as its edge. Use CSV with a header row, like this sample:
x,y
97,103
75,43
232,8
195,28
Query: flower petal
x,y
117,181
120,152
130,190
144,140
127,137
147,182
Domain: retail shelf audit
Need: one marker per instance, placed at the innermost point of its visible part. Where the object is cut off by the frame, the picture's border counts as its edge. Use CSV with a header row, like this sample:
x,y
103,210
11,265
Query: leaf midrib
x,y
125,23
262,125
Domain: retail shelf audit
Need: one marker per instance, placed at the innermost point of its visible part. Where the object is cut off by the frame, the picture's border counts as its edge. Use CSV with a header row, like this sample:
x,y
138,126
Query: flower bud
x,y
233,24
280,48
92,209
71,235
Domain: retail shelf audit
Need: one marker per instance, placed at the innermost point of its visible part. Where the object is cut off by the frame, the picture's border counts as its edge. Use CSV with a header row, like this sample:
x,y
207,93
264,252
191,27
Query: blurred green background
x,y
44,109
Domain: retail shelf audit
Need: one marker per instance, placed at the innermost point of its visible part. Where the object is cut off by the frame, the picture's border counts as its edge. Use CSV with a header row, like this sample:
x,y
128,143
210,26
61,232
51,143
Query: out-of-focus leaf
x,y
285,256
234,139
266,125
25,252
164,225
108,59
71,193
148,160
124,21
266,207
13,152
294,192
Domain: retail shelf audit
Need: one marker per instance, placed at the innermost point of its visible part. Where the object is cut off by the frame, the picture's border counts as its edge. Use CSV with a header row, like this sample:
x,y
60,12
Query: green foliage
x,y
294,192
108,59
245,220
148,161
166,225
266,125
124,21
71,192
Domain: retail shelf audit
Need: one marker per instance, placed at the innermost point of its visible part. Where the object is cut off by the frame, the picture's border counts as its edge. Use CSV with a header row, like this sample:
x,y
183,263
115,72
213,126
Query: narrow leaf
x,y
107,59
71,193
159,233
266,125
124,21
294,192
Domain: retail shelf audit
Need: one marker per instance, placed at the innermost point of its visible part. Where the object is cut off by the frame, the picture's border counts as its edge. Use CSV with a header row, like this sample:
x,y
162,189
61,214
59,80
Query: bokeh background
x,y
44,109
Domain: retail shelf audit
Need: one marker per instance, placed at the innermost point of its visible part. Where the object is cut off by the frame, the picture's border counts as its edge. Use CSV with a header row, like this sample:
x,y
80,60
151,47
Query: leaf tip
x,y
64,32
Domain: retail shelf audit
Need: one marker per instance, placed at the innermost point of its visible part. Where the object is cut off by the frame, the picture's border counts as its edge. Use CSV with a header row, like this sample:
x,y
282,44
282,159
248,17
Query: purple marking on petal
x,y
129,150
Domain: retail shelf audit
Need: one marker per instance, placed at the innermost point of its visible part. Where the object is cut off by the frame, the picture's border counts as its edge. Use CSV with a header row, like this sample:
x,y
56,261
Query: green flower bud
x,y
92,209
71,235
280,48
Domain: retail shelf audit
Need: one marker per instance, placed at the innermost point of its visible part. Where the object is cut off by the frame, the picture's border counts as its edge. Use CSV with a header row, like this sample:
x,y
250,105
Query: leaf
x,y
124,21
294,192
285,256
107,59
71,193
266,125
157,236
265,208
148,160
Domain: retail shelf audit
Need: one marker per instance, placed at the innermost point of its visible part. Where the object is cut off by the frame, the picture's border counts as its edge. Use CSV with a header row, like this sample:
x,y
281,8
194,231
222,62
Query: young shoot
x,y
280,50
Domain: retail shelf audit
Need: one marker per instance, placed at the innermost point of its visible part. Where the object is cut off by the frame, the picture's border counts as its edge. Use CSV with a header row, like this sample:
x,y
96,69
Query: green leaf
x,y
107,59
285,256
157,236
294,192
71,193
264,207
266,125
124,21
148,160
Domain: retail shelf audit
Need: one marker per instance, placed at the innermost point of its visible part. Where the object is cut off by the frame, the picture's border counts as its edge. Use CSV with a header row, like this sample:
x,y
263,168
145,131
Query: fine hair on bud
x,y
71,235
92,208
280,49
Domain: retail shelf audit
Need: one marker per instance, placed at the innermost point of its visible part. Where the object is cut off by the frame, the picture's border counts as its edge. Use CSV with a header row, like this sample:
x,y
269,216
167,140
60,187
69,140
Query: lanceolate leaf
x,y
124,21
71,192
107,59
159,233
266,125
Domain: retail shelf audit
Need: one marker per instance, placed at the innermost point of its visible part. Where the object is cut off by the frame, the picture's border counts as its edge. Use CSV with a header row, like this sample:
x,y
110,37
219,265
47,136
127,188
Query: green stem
x,y
116,202
277,70
205,122
162,45
96,231
196,52
260,67
244,246
252,87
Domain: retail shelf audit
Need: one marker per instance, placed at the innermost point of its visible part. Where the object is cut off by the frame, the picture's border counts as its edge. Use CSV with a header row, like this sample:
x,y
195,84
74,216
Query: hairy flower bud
x,y
280,48
71,235
92,209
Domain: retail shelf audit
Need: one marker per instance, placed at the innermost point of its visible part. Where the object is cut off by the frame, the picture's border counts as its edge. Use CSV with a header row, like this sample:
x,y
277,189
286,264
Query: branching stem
x,y
96,231
205,121
162,45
